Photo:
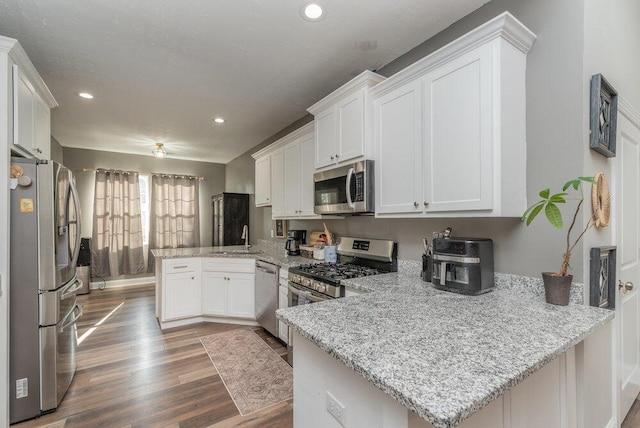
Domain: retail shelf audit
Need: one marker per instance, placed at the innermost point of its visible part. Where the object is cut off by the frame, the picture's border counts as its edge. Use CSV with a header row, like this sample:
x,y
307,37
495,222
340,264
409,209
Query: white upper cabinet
x,y
450,129
291,174
342,122
31,102
263,181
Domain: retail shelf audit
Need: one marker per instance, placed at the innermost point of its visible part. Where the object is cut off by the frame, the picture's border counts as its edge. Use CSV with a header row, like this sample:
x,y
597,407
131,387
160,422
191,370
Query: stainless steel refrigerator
x,y
45,241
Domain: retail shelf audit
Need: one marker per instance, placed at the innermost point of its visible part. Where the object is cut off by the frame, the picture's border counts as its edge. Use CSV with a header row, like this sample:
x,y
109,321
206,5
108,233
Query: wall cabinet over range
x,y
450,129
190,290
30,102
343,122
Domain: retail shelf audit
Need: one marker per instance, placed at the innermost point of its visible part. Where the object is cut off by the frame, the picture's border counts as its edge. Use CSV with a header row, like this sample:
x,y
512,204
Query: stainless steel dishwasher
x,y
267,296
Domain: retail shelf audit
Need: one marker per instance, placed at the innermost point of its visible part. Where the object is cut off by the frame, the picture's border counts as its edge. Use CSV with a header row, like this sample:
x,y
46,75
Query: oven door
x,y
299,295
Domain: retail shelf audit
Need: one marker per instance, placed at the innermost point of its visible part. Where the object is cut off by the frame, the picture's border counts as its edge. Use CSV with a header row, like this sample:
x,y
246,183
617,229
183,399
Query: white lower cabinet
x,y
214,293
192,290
181,295
283,302
241,295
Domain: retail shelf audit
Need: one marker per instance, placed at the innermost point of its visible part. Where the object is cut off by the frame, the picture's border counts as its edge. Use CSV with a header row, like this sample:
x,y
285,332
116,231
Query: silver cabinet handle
x,y
625,286
415,204
332,157
37,150
181,267
426,204
337,156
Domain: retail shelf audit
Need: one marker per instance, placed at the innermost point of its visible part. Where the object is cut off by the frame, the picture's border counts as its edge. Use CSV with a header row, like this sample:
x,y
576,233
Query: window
x,y
144,207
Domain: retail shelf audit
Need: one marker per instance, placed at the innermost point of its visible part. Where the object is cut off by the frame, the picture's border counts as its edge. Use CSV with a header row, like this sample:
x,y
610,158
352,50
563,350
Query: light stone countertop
x,y
440,354
267,251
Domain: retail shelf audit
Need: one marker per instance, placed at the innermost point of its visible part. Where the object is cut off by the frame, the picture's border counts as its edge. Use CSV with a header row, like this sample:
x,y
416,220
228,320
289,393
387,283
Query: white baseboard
x,y
612,423
116,283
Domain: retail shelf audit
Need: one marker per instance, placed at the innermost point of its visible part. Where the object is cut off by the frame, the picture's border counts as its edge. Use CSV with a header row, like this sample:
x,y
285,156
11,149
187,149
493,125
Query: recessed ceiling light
x,y
86,95
312,12
218,120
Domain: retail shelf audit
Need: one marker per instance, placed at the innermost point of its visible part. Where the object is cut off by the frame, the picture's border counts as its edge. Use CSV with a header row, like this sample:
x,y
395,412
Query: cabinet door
x,y
240,295
214,293
42,123
326,137
398,135
181,296
292,179
307,203
277,183
23,111
283,302
263,181
459,133
351,127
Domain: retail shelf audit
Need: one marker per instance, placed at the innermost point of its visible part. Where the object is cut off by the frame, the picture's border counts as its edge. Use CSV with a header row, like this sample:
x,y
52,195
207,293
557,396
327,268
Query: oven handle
x,y
310,296
349,177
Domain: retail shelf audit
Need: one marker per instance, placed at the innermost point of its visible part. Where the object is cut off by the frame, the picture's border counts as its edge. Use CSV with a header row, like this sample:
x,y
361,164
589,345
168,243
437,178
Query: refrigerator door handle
x,y
74,319
76,203
71,291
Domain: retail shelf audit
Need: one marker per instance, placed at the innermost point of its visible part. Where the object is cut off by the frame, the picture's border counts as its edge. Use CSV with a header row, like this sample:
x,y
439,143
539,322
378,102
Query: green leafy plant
x,y
549,204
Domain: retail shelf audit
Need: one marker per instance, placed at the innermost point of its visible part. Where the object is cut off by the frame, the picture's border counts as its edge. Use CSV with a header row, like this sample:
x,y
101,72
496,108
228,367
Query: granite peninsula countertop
x,y
443,355
269,253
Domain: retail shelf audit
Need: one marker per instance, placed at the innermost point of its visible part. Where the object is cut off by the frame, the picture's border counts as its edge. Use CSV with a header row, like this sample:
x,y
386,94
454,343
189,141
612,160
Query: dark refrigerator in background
x,y
230,214
44,246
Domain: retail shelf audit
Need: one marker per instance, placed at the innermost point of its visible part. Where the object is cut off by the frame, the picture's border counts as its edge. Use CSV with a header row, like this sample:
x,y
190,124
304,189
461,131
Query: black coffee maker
x,y
295,238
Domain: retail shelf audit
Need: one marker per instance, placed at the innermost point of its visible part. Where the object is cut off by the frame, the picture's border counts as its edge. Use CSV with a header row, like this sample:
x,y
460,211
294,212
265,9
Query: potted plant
x,y
557,285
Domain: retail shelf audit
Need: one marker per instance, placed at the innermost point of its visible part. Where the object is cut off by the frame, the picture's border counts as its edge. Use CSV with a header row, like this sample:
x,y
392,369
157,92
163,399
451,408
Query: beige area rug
x,y
254,374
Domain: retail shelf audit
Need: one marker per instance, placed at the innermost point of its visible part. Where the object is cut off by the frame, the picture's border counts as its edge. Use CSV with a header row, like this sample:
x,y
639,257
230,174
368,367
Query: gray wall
x,y
77,159
554,137
56,151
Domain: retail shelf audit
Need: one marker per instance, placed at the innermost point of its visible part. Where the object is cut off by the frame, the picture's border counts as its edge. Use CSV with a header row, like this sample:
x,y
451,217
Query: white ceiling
x,y
160,70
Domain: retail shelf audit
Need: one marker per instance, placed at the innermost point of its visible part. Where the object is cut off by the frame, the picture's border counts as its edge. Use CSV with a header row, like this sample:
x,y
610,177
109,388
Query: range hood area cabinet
x,y
450,128
343,122
30,101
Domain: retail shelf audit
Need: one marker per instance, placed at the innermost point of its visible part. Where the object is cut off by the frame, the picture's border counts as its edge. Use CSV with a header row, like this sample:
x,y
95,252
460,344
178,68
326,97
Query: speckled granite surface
x,y
443,355
268,251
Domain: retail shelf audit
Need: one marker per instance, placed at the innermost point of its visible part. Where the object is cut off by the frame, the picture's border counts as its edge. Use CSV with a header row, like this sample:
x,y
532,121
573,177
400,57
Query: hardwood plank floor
x,y
633,417
132,374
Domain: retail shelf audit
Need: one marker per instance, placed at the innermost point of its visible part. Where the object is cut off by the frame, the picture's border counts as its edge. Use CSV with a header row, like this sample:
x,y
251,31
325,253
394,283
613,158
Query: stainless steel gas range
x,y
357,257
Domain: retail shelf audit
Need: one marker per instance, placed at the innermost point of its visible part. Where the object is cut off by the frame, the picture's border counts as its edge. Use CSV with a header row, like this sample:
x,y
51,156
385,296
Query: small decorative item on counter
x,y
307,251
318,251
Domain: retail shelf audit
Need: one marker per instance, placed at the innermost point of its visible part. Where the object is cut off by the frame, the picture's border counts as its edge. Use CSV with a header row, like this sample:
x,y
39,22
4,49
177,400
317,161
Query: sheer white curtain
x,y
174,221
117,226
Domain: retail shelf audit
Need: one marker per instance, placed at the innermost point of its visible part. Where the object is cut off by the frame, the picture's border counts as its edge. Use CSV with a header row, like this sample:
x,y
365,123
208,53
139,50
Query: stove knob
x,y
322,288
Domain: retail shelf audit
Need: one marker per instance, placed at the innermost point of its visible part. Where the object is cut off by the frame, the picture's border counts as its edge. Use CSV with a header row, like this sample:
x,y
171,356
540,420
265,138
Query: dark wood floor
x,y
131,374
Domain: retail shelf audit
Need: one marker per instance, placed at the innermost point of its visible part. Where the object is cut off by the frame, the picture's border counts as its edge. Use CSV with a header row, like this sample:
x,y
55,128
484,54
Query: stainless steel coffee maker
x,y
463,265
295,238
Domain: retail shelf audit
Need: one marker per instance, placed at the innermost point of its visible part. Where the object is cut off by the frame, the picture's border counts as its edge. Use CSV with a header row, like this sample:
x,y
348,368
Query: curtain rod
x,y
161,174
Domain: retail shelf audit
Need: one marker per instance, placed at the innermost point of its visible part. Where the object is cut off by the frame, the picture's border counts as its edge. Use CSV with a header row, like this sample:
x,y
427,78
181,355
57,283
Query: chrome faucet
x,y
245,236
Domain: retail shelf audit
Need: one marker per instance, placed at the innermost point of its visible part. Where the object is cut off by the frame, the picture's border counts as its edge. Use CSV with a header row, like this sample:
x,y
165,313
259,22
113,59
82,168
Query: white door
x,y
292,179
351,127
307,147
277,183
214,293
326,136
241,295
627,197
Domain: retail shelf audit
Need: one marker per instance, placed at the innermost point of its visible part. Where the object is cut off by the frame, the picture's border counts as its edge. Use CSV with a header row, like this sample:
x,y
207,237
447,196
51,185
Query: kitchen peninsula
x,y
407,355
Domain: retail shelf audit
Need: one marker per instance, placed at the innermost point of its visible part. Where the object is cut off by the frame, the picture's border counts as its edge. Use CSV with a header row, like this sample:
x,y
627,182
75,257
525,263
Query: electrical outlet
x,y
336,409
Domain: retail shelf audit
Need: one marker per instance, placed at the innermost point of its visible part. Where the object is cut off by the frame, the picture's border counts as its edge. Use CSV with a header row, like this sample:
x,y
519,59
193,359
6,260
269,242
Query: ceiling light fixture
x,y
86,95
159,151
218,120
312,12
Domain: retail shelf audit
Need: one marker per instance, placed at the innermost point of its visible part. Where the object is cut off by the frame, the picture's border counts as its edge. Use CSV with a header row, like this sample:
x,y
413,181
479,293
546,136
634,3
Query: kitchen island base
x,y
574,389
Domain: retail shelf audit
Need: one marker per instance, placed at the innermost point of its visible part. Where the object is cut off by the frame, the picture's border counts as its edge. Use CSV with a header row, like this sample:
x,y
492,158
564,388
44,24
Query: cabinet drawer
x,y
229,265
180,265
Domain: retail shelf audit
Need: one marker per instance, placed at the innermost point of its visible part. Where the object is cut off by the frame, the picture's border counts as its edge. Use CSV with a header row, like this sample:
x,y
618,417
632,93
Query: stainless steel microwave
x,y
346,189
